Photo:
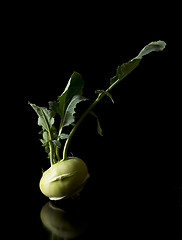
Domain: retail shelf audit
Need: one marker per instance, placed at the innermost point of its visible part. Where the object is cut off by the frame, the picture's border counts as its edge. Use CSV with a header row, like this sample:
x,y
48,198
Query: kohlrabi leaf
x,y
123,70
45,138
45,117
151,47
73,87
46,121
63,136
106,93
56,143
99,129
45,141
69,117
67,102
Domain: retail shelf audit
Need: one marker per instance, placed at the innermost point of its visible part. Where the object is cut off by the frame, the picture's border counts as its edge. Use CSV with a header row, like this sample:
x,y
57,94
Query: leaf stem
x,y
59,134
128,67
100,96
65,150
51,152
57,154
50,139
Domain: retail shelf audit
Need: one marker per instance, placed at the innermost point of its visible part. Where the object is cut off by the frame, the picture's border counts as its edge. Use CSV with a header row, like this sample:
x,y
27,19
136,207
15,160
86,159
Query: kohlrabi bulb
x,y
64,179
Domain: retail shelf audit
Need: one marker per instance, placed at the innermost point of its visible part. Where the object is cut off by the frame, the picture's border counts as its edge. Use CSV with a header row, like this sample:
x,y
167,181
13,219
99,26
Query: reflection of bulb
x,y
60,223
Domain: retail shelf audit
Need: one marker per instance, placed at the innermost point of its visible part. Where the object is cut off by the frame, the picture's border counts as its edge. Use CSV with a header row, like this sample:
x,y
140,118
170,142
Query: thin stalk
x,y
57,148
50,142
59,134
51,152
100,96
57,154
65,150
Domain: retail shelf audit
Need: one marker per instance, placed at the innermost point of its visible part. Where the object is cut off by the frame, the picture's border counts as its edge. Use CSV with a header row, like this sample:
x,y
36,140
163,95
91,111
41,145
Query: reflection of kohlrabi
x,y
67,175
63,224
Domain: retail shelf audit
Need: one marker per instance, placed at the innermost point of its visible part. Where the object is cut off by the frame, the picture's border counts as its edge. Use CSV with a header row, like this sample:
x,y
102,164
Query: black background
x,y
135,168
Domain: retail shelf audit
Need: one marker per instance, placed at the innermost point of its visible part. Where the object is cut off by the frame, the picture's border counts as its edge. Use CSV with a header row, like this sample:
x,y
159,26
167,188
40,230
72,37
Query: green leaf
x,y
105,92
73,87
56,143
123,70
69,117
45,140
46,121
63,136
151,47
45,117
99,129
54,132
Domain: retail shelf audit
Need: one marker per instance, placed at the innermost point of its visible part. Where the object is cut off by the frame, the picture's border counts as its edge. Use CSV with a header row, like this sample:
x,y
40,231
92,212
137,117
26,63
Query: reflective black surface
x,y
109,207
134,212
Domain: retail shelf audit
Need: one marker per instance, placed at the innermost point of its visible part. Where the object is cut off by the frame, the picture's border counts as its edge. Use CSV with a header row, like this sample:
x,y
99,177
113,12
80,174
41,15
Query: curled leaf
x,y
56,143
69,117
99,129
46,121
63,136
151,47
123,70
73,87
45,117
106,93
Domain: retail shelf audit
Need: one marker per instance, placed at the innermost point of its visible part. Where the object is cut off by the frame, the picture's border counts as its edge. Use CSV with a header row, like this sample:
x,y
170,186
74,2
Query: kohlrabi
x,y
67,175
